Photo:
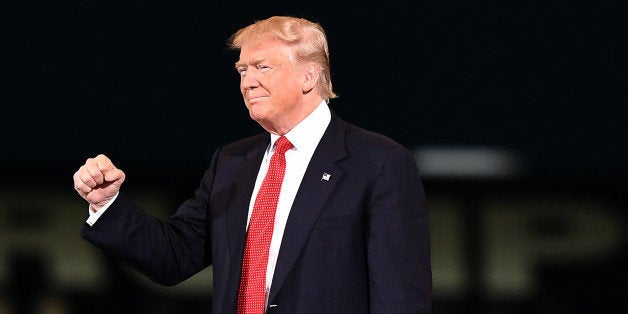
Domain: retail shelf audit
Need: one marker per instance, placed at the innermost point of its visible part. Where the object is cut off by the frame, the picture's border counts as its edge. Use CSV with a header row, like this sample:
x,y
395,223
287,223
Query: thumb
x,y
103,193
114,175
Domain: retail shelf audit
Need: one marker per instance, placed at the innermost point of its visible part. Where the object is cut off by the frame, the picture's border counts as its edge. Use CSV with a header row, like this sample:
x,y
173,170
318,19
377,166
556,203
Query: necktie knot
x,y
282,145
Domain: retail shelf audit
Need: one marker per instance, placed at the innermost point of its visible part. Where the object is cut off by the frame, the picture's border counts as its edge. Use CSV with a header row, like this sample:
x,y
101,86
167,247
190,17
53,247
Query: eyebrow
x,y
253,61
238,65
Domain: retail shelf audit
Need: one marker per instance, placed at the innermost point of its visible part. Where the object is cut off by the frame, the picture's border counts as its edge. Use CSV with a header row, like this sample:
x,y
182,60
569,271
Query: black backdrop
x,y
151,83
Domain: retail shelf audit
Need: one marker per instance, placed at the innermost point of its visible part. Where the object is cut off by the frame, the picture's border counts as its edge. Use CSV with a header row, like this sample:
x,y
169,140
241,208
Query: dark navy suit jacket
x,y
355,243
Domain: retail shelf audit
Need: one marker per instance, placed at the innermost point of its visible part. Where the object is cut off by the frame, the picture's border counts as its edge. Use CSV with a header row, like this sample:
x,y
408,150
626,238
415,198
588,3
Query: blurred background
x,y
513,110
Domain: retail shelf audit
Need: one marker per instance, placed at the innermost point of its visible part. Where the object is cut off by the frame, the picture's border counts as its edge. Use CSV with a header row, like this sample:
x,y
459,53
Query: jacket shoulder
x,y
361,137
245,145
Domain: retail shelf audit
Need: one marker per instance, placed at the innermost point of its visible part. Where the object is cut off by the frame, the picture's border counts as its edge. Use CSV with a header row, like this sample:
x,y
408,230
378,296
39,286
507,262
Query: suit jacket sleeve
x,y
398,239
167,251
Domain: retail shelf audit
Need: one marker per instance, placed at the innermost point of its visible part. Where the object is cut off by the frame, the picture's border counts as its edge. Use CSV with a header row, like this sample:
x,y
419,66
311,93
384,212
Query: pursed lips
x,y
255,98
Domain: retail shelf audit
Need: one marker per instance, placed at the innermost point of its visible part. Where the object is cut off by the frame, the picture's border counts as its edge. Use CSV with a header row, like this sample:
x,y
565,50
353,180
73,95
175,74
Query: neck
x,y
292,119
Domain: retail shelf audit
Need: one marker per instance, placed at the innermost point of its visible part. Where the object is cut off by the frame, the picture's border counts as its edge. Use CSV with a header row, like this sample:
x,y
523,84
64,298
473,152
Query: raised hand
x,y
98,181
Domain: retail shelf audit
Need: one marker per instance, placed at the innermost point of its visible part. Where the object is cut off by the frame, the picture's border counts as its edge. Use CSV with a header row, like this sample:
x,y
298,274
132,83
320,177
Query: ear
x,y
311,74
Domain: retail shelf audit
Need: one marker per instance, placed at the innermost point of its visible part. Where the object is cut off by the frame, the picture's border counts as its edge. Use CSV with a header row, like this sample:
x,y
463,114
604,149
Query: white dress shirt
x,y
304,138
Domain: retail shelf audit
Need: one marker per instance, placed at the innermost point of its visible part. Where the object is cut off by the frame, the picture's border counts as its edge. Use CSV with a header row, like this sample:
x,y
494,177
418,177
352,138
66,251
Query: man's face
x,y
270,84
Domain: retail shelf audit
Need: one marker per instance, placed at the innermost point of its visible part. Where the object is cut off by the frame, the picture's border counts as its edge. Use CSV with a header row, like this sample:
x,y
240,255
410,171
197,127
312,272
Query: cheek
x,y
286,90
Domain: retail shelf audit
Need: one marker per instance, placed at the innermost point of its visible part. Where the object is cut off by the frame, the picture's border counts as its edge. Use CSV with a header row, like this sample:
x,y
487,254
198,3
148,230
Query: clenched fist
x,y
98,181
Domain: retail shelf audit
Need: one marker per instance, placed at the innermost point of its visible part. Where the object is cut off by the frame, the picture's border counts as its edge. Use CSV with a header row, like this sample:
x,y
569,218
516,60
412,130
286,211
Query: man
x,y
350,229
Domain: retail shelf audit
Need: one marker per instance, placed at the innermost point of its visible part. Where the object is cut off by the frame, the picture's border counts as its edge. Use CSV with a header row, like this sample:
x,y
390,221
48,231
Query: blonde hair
x,y
307,38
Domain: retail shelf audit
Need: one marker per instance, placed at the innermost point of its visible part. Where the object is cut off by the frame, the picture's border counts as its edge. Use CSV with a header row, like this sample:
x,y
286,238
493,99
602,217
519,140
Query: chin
x,y
256,116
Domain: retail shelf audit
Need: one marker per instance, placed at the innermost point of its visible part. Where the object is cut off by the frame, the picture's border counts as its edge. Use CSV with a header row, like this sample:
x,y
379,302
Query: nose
x,y
249,80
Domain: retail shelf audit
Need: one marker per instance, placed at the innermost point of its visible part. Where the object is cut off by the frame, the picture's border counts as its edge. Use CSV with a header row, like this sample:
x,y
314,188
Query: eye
x,y
241,70
262,67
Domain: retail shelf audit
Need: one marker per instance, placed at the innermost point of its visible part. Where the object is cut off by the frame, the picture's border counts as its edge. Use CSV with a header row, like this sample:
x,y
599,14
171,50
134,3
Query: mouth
x,y
252,100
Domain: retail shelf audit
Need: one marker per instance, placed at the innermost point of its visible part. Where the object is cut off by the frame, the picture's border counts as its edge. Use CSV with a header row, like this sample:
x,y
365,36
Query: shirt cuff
x,y
94,215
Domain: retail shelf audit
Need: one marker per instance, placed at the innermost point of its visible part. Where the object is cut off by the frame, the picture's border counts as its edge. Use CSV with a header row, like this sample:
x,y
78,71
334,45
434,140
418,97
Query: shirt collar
x,y
306,135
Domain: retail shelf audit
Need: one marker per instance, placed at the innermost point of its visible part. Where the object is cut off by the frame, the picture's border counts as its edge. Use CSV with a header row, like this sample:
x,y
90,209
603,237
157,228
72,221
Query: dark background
x,y
152,85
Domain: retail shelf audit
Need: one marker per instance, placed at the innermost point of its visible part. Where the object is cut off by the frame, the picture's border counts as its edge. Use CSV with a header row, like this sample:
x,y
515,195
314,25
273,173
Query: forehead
x,y
272,51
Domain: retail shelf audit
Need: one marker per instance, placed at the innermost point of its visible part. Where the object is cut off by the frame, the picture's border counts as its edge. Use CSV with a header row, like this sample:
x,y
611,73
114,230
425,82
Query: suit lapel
x,y
318,183
237,211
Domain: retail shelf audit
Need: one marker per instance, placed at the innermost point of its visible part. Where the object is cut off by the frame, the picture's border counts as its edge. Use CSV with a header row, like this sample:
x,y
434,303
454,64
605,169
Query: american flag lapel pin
x,y
326,176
